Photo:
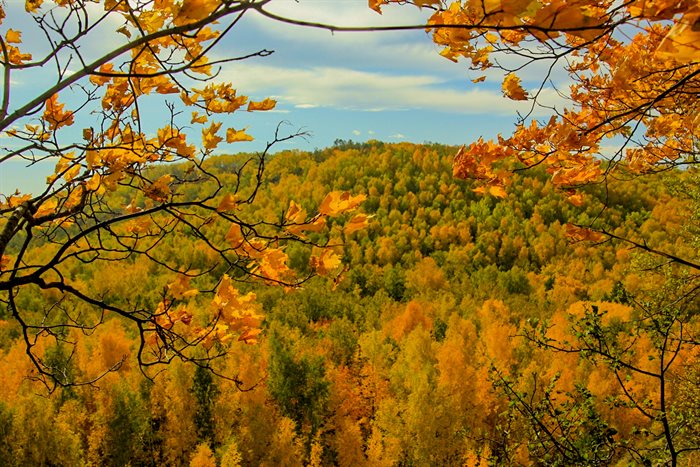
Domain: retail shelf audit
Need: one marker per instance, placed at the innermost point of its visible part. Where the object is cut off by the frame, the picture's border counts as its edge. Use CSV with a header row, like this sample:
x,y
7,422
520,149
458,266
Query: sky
x,y
389,86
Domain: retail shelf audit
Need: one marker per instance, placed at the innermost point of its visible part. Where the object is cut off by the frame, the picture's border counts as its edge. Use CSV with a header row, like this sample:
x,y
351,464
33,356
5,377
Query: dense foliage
x,y
460,329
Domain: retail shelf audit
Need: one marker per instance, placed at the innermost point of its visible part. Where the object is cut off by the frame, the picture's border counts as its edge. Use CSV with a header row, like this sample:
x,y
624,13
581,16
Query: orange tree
x,y
126,183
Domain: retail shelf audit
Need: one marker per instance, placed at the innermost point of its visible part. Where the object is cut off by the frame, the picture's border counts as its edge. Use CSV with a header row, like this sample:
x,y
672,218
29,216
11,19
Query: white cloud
x,y
346,13
349,89
398,136
356,132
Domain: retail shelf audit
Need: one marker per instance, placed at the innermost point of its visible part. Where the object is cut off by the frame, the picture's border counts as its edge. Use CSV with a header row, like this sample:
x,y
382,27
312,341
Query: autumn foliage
x,y
632,97
113,200
526,300
459,328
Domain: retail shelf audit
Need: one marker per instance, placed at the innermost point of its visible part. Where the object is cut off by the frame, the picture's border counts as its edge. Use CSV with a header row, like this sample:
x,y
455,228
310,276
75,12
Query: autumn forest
x,y
531,299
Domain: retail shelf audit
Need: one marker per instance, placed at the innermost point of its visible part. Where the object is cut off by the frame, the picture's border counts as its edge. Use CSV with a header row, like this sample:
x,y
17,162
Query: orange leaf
x,y
265,104
32,6
13,37
94,183
196,118
325,263
233,136
98,80
234,236
578,234
295,214
376,5
249,336
54,114
576,199
228,203
4,262
497,191
339,202
359,222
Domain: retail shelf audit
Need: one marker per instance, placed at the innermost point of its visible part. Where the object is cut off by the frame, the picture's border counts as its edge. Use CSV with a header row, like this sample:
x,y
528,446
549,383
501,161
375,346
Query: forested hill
x,y
435,344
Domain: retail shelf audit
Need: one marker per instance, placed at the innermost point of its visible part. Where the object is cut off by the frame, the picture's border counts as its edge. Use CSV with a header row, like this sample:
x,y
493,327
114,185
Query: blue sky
x,y
390,86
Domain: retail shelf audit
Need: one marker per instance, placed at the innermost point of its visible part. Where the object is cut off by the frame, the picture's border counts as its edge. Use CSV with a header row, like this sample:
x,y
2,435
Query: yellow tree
x,y
627,107
125,182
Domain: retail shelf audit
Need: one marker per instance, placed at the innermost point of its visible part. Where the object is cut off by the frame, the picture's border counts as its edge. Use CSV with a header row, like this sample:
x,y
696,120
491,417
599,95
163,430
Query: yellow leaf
x,y
75,198
46,208
497,191
682,43
295,214
93,159
339,202
196,118
194,10
266,104
298,229
71,173
13,37
98,80
325,263
272,265
479,79
210,139
94,183
233,136
228,203
31,6
512,88
449,54
125,31
180,288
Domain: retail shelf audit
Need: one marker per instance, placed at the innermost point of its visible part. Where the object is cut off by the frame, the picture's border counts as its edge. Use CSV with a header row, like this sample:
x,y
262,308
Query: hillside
x,y
460,328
